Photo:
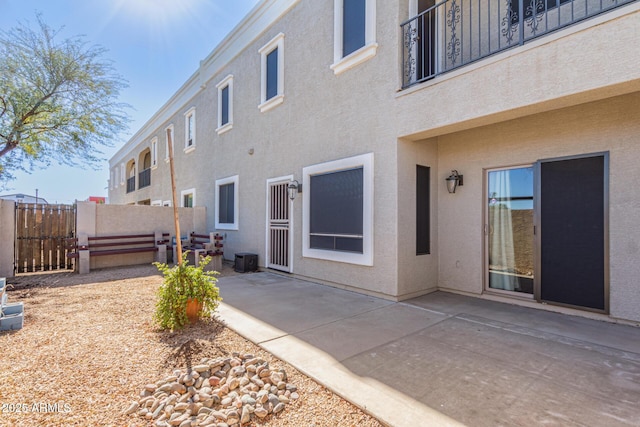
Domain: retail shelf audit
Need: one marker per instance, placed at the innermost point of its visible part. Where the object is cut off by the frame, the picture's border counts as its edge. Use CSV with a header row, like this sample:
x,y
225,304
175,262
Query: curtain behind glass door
x,y
510,221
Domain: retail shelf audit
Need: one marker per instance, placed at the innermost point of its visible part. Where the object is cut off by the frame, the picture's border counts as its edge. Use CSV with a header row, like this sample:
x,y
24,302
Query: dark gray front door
x,y
572,206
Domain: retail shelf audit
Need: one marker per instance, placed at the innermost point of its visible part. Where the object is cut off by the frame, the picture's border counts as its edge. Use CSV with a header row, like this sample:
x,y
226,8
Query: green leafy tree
x,y
58,100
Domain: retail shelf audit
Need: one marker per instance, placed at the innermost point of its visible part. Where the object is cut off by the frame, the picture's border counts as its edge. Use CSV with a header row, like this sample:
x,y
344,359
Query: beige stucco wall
x,y
611,125
573,66
7,237
417,274
113,220
315,124
508,109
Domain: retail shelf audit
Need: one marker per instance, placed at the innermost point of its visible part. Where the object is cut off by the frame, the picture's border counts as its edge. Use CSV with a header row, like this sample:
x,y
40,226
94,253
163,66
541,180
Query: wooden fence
x,y
41,231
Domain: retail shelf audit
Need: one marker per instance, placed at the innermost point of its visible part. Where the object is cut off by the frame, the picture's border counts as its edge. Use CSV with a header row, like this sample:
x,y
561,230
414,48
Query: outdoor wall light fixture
x,y
453,181
294,188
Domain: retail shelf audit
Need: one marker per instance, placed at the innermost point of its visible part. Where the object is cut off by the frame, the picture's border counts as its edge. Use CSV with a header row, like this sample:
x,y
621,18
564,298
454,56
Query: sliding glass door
x,y
510,229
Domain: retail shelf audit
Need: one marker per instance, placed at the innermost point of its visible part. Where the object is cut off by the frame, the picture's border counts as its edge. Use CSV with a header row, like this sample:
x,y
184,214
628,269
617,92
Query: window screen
x,y
336,210
226,204
272,74
353,25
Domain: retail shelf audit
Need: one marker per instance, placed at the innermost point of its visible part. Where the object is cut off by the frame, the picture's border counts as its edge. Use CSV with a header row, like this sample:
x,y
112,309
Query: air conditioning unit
x,y
246,262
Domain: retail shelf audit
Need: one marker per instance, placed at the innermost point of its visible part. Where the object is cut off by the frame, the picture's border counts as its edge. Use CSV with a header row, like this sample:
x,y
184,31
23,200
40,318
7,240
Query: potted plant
x,y
186,294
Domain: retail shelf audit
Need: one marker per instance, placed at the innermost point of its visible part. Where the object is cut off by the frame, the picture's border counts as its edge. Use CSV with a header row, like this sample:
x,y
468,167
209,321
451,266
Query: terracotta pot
x,y
194,307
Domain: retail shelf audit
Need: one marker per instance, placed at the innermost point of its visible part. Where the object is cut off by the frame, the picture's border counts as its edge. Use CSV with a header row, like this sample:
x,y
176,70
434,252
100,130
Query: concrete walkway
x,y
443,359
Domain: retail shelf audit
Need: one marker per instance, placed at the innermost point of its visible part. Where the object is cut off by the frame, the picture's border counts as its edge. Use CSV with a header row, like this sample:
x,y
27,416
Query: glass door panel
x,y
510,229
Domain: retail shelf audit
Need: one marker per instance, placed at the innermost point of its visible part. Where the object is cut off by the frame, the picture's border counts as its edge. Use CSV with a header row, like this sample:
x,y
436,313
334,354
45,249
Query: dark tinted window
x,y
188,201
422,210
336,210
353,25
225,106
272,74
226,204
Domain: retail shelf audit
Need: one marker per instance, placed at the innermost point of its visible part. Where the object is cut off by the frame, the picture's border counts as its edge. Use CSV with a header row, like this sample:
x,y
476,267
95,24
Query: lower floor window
x,y
338,210
226,203
188,198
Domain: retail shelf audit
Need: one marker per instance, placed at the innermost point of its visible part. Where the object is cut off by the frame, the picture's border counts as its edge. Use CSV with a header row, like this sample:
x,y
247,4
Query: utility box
x,y
246,262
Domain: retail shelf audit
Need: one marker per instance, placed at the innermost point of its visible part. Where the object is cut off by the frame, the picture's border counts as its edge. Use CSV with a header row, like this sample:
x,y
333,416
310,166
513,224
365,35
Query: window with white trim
x,y
226,203
111,181
338,210
166,142
354,33
122,174
156,203
225,105
154,153
190,130
188,198
166,203
272,73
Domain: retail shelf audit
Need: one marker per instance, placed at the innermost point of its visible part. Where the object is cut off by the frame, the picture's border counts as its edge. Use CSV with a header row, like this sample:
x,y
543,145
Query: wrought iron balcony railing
x,y
454,33
144,178
131,184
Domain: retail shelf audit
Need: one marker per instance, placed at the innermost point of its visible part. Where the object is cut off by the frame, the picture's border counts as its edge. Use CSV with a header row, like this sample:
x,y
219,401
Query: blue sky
x,y
155,44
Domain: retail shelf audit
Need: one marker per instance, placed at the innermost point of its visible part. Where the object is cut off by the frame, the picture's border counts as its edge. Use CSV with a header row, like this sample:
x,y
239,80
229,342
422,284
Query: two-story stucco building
x,y
395,148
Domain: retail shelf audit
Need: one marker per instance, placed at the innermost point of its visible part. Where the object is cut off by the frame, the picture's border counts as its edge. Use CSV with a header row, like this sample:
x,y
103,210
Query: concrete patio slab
x,y
443,359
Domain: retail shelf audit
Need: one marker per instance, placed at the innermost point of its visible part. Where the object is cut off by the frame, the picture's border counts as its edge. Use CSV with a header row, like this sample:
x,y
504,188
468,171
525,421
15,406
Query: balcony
x,y
131,184
454,33
144,178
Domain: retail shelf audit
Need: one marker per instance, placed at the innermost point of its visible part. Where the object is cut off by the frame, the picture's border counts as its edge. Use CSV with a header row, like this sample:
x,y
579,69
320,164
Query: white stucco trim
x,y
276,43
156,203
343,63
356,58
366,257
226,82
235,180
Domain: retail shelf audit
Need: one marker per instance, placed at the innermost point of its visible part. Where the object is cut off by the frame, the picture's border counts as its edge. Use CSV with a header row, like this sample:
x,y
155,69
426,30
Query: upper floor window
x,y
131,180
272,73
144,175
154,152
354,33
225,104
190,130
168,130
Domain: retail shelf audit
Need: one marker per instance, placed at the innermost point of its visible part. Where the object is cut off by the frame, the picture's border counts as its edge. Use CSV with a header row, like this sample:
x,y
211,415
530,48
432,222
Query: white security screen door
x,y
279,226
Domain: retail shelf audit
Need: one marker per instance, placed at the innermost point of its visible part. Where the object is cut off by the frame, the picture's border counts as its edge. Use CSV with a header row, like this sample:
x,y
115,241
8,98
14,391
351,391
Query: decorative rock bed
x,y
222,392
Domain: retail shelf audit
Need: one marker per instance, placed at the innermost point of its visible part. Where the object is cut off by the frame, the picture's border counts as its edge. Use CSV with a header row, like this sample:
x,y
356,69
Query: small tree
x,y
58,100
